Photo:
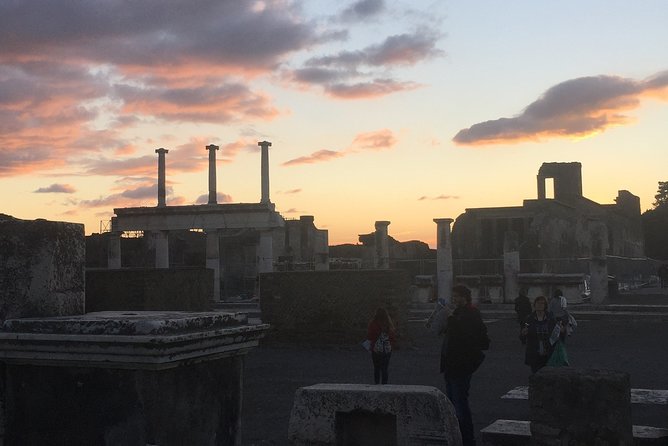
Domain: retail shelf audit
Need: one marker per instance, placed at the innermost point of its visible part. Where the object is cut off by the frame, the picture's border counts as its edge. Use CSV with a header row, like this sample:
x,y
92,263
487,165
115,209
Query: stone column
x,y
212,173
444,275
511,266
114,250
213,259
264,170
598,265
541,187
265,255
161,239
161,176
382,248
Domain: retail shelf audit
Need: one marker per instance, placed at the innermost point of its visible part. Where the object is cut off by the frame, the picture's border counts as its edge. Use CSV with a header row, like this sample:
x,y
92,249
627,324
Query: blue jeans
x,y
457,389
381,362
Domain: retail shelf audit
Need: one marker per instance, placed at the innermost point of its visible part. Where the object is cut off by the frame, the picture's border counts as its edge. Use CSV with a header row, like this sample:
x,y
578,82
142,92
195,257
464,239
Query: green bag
x,y
558,358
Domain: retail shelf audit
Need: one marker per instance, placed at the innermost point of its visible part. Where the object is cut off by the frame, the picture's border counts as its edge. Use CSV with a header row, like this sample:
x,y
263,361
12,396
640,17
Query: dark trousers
x,y
539,363
457,389
381,362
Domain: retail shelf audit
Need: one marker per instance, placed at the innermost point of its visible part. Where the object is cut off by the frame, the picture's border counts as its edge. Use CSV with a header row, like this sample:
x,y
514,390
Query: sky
x,y
403,111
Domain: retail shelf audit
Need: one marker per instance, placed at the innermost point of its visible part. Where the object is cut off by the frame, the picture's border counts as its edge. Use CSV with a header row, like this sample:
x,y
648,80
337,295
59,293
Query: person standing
x,y
536,334
381,335
461,355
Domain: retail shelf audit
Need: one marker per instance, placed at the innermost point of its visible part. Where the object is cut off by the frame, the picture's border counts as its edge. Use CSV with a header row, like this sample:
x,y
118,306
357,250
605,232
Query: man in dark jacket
x,y
461,355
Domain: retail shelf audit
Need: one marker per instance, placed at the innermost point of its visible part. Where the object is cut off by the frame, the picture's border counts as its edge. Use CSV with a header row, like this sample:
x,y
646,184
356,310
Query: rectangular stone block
x,y
361,414
131,378
42,268
580,407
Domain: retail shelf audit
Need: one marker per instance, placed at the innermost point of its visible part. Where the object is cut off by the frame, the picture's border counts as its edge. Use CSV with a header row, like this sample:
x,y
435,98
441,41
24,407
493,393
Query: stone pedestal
x,y
511,266
580,407
361,414
126,378
42,266
382,246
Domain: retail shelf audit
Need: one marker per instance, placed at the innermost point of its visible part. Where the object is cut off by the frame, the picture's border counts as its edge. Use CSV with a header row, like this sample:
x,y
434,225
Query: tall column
x,y
212,173
161,176
161,240
511,266
382,257
114,251
598,265
264,170
265,254
213,259
444,276
541,186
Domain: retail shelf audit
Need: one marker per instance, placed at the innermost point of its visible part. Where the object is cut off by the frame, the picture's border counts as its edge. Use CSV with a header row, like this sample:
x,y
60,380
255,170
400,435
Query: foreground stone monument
x,y
116,378
580,407
42,266
362,414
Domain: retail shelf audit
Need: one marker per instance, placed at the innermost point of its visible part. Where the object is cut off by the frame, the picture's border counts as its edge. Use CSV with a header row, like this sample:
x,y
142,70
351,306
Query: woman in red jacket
x,y
381,335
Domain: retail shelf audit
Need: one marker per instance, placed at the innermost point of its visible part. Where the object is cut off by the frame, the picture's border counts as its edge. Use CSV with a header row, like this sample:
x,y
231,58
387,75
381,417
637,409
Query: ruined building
x,y
237,240
545,229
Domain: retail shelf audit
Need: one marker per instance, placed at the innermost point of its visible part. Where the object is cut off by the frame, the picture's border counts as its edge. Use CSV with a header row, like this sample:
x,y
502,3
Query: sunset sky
x,y
377,109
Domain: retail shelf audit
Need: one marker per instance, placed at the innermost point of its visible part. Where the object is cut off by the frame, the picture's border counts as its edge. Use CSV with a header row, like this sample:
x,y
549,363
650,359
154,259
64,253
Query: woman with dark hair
x,y
381,335
536,331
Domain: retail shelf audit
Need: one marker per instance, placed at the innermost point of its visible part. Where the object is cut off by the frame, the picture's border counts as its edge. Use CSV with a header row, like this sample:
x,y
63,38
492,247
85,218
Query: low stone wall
x,y
42,266
148,289
362,414
331,306
580,407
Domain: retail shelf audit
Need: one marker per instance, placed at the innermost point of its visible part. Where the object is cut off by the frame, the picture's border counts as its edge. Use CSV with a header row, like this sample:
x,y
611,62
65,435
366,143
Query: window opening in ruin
x,y
549,188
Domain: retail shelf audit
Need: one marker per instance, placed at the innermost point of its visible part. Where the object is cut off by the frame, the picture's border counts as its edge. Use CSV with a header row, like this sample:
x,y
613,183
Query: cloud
x,y
291,191
220,197
362,10
439,197
56,188
377,140
291,211
355,74
315,157
575,108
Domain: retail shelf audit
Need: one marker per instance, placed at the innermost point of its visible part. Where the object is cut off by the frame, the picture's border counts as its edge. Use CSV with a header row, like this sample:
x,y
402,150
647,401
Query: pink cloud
x,y
56,188
574,108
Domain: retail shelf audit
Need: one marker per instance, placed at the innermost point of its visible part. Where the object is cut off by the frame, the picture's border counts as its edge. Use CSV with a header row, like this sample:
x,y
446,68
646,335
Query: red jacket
x,y
374,331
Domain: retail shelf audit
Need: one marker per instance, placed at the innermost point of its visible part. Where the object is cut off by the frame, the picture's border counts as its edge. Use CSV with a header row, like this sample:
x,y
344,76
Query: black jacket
x,y
461,352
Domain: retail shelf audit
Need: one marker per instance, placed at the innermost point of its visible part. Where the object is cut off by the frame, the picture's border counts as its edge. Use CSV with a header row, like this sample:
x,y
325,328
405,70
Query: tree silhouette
x,y
654,224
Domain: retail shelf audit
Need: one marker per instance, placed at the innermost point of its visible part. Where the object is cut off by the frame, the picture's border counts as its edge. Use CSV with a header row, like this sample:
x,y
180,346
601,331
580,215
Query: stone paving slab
x,y
638,396
518,433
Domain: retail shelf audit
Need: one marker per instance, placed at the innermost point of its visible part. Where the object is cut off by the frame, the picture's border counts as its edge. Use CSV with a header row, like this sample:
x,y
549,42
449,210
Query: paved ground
x,y
274,372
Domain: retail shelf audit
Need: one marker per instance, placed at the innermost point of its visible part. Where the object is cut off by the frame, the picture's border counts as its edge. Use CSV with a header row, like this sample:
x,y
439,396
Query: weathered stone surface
x,y
42,266
130,378
149,289
331,306
580,407
332,414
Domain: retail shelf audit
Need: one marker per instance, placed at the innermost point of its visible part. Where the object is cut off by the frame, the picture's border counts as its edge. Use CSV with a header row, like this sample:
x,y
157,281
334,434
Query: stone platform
x,y
132,378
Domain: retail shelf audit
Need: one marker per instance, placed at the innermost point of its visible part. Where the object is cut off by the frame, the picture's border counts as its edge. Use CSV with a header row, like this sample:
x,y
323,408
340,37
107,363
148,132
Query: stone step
x,y
518,433
638,396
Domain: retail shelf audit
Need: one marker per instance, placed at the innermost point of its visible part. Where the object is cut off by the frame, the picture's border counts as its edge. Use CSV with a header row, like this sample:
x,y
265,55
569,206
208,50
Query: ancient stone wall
x,y
42,268
147,289
331,306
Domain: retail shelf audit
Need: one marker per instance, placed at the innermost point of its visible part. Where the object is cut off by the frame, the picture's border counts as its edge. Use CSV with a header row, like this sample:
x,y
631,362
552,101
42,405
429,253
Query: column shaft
x,y
444,275
114,251
213,259
161,240
382,251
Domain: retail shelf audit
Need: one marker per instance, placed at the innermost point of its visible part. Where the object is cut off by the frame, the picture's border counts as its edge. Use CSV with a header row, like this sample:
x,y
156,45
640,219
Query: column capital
x,y
212,147
264,144
161,151
382,224
439,221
